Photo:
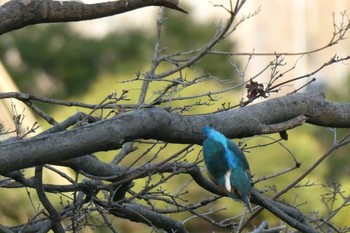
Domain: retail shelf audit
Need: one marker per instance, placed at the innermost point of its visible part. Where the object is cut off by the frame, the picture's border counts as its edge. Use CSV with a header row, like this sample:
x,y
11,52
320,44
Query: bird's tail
x,y
246,201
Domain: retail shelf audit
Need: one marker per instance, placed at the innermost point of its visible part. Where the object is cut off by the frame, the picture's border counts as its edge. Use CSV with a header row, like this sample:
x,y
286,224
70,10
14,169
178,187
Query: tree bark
x,y
28,12
271,116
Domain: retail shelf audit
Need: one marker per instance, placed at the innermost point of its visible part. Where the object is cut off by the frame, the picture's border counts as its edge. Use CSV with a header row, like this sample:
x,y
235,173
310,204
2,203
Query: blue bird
x,y
227,166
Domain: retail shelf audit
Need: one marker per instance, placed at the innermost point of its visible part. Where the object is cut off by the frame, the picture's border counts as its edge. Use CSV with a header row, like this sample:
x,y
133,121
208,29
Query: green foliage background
x,y
85,69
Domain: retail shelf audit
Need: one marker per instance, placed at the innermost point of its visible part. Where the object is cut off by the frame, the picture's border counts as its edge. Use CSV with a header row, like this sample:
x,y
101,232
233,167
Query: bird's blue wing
x,y
215,160
240,177
238,153
241,186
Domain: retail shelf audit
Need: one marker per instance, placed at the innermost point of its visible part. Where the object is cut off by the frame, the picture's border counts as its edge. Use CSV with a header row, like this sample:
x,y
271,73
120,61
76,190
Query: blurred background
x,y
86,61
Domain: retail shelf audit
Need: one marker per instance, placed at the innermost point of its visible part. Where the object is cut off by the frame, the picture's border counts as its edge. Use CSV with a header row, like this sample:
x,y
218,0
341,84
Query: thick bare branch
x,y
156,123
30,12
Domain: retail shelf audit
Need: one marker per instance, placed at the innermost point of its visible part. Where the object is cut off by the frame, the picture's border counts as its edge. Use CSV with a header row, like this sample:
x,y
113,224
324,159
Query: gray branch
x,y
290,215
30,12
139,213
268,117
55,217
263,228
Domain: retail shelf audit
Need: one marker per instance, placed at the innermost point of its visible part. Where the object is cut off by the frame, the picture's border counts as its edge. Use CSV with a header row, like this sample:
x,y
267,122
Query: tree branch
x,y
290,215
55,217
156,123
139,213
273,208
30,12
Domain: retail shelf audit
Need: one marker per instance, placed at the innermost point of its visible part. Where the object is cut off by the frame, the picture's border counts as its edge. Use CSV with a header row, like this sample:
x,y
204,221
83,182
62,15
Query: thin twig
x,y
155,60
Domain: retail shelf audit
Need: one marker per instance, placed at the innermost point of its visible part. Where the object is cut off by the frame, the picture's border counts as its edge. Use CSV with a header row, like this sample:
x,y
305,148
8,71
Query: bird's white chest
x,y
227,180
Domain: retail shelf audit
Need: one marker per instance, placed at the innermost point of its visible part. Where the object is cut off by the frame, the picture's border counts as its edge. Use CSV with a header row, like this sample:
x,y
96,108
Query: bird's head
x,y
207,130
214,135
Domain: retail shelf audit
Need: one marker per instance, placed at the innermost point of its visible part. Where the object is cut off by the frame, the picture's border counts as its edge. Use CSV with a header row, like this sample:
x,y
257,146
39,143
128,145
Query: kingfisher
x,y
227,166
